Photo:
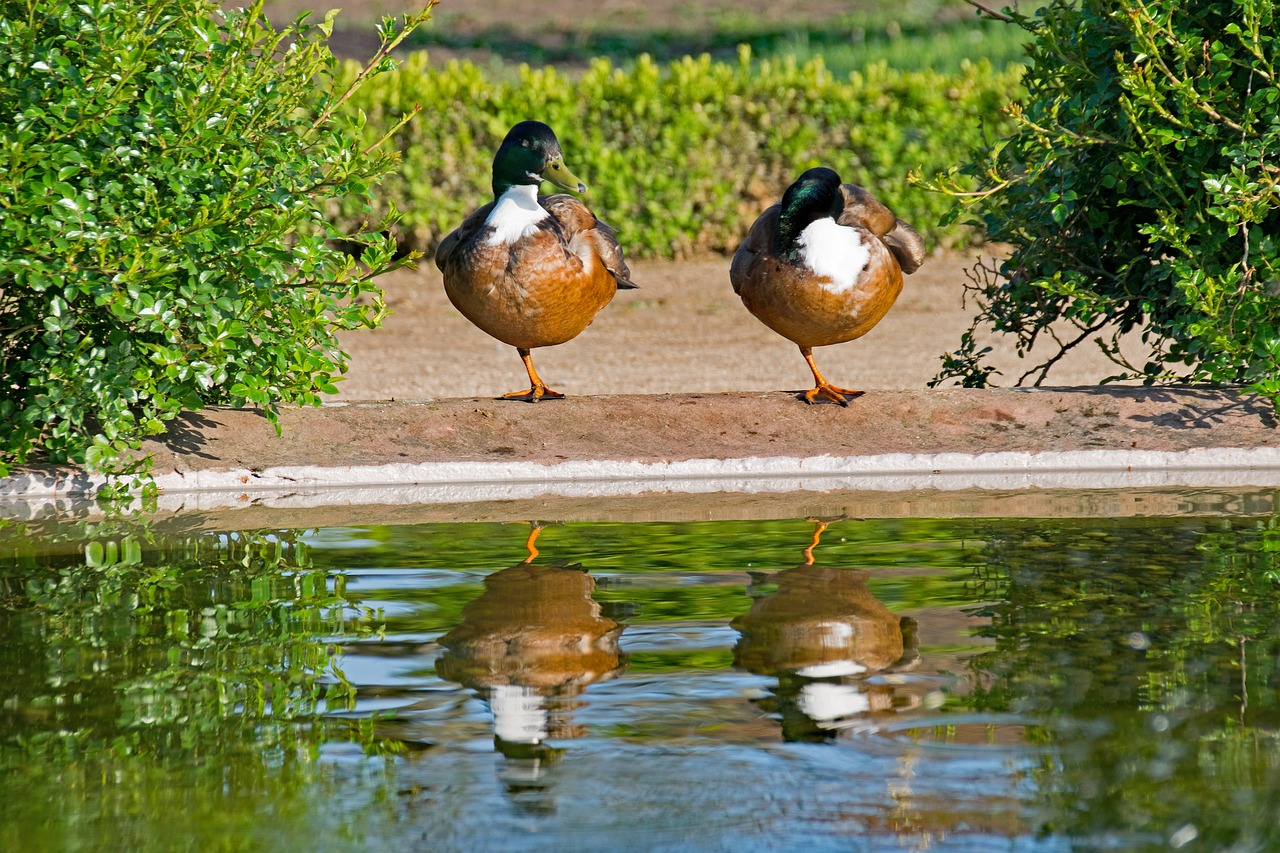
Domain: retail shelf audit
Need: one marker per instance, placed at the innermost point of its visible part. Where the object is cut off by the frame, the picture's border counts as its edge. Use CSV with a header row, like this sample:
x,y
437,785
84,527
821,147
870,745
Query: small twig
x,y
1244,226
1044,367
1113,354
390,43
404,119
991,12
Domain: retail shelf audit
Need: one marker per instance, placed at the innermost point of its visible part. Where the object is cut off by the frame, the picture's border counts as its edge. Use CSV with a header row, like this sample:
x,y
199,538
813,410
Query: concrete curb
x,y
474,481
461,451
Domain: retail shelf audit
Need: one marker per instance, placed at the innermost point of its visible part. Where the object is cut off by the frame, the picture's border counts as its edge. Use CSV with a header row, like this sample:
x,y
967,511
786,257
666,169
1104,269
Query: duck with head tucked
x,y
530,270
823,266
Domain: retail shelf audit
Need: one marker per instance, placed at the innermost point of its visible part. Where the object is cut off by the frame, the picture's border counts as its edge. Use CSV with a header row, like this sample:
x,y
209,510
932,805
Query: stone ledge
x,y
478,450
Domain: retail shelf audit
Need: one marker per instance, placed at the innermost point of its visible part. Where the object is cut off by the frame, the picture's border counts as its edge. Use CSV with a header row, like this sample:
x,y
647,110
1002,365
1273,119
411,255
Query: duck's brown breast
x,y
810,310
535,294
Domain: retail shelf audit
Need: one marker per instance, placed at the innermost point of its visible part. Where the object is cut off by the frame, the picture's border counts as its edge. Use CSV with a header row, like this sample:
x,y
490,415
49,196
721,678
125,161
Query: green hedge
x,y
682,158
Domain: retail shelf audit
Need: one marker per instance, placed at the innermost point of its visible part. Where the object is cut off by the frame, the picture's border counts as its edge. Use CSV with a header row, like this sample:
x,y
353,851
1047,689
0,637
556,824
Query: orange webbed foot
x,y
827,391
534,394
537,390
824,389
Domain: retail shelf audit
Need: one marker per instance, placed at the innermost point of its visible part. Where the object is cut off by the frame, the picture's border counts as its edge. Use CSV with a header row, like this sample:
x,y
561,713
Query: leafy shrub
x,y
162,209
1139,191
682,158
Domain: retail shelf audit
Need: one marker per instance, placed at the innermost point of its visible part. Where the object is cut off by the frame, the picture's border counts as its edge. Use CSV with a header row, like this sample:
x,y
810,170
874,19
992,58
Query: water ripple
x,y
968,735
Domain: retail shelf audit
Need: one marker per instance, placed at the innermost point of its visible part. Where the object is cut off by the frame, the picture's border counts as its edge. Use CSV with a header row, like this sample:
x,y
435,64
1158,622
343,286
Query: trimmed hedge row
x,y
681,159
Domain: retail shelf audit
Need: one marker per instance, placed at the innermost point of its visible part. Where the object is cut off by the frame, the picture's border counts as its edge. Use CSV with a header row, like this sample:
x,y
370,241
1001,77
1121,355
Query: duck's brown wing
x,y
462,235
610,252
758,242
578,224
862,208
906,245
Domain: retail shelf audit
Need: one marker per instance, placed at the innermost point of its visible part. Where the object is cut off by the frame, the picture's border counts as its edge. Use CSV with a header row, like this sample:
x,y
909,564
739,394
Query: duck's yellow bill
x,y
559,174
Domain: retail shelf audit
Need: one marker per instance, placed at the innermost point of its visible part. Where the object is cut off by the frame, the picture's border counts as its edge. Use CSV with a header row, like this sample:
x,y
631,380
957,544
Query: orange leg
x,y
537,389
825,389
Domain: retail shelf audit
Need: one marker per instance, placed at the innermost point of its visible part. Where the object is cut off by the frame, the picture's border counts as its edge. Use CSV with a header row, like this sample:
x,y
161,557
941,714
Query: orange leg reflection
x,y
533,537
817,535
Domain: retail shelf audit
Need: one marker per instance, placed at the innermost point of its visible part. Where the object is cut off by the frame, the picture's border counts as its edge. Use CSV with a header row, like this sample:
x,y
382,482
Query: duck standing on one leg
x,y
531,270
823,266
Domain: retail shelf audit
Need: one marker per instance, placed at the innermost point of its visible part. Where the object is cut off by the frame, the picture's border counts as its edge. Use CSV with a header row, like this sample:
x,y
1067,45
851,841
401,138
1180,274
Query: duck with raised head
x,y
823,266
532,270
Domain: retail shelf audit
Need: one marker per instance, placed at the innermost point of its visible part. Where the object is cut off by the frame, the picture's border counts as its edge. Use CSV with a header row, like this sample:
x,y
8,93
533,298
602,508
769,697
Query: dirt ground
x,y
521,16
684,331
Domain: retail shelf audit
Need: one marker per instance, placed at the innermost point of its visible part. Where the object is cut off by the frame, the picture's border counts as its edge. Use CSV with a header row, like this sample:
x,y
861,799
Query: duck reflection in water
x,y
821,633
532,642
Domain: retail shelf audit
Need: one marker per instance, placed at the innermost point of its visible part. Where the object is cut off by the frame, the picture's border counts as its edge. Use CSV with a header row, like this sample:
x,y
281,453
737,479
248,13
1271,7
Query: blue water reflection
x,y
802,684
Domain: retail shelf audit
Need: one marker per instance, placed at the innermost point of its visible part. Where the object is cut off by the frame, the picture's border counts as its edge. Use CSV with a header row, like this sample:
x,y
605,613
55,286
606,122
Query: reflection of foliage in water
x,y
179,690
1165,636
226,624
209,653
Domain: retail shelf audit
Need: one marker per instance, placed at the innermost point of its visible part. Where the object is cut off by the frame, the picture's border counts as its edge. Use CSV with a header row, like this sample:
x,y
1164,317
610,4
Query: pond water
x,y
913,684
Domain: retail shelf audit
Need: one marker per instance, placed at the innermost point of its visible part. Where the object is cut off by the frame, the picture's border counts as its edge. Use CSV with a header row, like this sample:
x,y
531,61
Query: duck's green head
x,y
530,155
815,195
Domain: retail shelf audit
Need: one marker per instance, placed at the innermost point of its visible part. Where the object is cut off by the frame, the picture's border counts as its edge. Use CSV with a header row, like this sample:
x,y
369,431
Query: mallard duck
x,y
530,270
823,266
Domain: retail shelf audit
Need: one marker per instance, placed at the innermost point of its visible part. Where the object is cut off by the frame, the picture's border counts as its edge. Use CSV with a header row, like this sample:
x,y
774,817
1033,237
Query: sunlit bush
x,y
161,205
1140,190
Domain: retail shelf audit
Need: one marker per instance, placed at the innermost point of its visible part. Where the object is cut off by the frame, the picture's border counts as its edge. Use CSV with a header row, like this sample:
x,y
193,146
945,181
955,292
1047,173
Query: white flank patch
x,y
516,215
834,251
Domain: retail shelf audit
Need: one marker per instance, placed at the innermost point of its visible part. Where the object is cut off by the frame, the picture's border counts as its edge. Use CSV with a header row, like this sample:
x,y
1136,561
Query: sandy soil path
x,y
683,331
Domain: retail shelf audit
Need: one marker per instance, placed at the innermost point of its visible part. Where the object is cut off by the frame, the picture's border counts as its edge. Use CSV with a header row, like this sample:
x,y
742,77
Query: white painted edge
x,y
31,494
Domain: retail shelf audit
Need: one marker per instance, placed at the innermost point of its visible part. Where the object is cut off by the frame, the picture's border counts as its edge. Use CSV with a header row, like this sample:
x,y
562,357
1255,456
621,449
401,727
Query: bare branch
x,y
1043,368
